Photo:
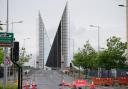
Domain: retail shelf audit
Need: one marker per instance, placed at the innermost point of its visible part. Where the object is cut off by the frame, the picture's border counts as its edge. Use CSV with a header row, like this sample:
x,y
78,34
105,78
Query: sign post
x,y
6,39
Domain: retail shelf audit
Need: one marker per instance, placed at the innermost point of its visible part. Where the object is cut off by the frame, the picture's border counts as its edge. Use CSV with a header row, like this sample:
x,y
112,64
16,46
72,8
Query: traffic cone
x,y
34,86
27,85
92,86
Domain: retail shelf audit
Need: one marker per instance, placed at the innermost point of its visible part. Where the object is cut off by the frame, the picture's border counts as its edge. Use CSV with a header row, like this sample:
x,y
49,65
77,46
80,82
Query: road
x,y
50,79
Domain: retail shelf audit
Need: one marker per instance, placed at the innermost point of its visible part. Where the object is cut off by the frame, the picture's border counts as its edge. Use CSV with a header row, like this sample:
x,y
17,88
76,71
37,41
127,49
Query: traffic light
x,y
70,65
15,52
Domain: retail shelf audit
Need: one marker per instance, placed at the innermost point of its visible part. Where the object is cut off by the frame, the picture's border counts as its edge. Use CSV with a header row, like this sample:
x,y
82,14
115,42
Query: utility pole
x,y
98,28
6,51
127,22
126,6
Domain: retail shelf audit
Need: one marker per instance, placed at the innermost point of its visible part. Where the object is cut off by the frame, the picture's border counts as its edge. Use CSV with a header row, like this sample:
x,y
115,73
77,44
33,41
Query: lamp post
x,y
98,28
126,20
24,41
6,49
14,23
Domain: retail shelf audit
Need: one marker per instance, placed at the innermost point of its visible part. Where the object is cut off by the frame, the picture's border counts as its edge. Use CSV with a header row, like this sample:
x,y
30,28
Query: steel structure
x,y
40,39
58,56
43,44
64,36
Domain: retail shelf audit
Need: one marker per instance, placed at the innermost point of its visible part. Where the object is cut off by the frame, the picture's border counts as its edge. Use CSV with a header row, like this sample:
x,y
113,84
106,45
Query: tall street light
x,y
6,49
126,20
24,41
14,23
98,28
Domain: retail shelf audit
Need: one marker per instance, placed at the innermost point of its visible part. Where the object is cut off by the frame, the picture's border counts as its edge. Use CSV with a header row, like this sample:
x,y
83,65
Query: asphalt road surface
x,y
50,79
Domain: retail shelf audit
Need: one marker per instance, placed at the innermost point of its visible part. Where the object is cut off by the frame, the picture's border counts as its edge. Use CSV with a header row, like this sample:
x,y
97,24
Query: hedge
x,y
9,86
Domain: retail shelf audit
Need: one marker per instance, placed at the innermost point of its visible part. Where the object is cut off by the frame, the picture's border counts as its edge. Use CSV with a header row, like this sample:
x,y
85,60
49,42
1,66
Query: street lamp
x,y
11,23
98,28
126,20
14,23
24,41
6,49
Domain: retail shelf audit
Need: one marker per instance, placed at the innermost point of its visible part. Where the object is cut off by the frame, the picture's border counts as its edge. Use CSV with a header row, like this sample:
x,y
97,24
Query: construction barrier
x,y
110,81
123,80
78,83
102,81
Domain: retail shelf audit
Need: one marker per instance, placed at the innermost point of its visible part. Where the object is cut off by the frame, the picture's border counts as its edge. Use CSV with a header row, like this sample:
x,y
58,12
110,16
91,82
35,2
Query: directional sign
x,y
6,39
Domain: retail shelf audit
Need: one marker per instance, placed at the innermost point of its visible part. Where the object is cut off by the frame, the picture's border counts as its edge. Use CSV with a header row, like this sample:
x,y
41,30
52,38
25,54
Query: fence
x,y
113,73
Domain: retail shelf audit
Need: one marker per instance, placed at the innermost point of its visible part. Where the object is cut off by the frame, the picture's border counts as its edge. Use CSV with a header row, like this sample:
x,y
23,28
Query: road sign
x,y
7,61
6,39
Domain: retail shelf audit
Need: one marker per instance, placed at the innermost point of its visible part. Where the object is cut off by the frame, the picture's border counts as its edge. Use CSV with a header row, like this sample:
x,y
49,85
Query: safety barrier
x,y
122,80
77,83
110,81
102,81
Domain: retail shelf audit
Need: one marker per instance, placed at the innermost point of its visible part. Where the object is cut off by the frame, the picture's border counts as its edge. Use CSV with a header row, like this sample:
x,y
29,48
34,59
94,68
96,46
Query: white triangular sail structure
x,y
43,44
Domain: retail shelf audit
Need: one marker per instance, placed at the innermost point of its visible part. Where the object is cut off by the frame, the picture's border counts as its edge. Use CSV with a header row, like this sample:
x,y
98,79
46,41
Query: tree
x,y
24,57
89,55
106,59
1,55
115,45
1,28
125,54
112,56
1,51
85,58
77,59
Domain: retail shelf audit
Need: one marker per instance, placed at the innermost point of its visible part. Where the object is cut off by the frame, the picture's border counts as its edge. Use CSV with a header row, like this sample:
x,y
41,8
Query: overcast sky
x,y
104,13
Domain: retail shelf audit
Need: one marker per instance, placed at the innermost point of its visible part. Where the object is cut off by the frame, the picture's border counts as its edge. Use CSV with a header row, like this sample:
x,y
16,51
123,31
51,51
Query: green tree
x,y
89,55
85,58
106,59
1,55
1,28
24,57
115,45
112,56
77,59
1,51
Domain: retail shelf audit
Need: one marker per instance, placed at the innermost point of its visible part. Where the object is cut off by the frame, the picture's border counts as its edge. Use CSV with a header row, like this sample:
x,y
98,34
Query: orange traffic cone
x,y
27,85
34,86
92,86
